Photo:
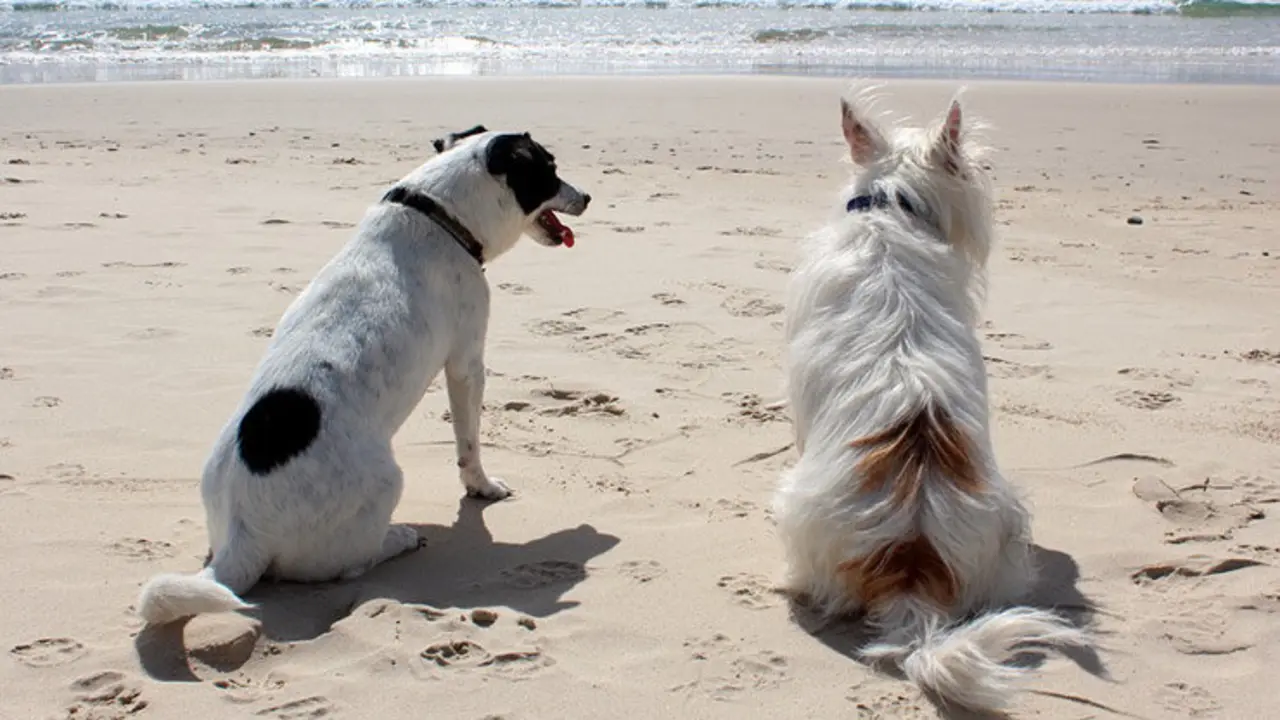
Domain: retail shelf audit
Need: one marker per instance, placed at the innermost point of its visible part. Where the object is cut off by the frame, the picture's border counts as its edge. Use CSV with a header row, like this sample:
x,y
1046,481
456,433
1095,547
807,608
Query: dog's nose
x,y
586,200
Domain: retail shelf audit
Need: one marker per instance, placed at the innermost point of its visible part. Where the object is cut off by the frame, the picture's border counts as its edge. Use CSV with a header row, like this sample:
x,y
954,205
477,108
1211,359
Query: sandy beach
x,y
153,233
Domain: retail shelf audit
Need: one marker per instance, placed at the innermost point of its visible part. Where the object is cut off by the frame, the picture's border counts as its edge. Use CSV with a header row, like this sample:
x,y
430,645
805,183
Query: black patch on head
x,y
442,144
529,169
277,428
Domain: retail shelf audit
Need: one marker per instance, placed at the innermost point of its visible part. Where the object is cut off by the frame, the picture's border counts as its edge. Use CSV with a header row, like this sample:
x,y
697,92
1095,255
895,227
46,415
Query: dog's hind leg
x,y
399,540
465,380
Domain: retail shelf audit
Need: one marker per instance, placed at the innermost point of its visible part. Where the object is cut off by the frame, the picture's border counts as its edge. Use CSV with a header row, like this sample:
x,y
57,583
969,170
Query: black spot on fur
x,y
530,170
280,426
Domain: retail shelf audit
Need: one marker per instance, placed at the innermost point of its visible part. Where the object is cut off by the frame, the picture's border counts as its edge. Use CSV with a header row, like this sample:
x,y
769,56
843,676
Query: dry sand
x,y
152,235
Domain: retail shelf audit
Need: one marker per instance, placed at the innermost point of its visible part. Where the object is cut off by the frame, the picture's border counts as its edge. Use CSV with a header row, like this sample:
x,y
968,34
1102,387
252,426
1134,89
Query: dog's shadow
x,y
460,567
1055,590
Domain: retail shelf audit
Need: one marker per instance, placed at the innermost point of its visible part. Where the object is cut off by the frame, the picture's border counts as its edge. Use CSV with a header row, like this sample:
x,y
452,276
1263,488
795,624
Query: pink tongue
x,y
566,235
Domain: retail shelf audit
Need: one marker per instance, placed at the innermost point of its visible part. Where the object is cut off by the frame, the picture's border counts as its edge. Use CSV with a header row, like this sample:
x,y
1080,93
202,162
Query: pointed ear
x,y
946,144
866,144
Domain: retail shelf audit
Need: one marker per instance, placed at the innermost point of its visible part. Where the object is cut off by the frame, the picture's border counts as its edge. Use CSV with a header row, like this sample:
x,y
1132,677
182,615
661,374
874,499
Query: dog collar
x,y
432,209
880,201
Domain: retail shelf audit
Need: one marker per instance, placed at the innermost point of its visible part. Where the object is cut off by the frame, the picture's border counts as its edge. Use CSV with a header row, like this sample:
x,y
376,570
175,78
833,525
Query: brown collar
x,y
432,209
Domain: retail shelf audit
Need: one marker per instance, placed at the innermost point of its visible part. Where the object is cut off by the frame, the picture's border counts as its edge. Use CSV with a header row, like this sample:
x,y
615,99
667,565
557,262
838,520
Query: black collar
x,y
880,200
429,207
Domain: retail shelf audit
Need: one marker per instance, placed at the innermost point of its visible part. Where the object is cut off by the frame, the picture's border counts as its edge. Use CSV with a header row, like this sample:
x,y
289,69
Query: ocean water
x,y
1213,41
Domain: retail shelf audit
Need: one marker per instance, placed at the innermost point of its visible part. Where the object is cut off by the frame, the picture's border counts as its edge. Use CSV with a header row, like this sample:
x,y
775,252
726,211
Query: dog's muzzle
x,y
570,200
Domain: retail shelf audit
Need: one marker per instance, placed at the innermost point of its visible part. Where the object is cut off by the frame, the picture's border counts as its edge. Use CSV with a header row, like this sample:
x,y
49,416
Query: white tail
x,y
235,568
964,664
169,597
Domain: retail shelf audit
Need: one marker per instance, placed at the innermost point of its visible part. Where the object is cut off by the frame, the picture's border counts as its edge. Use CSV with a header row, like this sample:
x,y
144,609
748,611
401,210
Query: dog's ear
x,y
508,151
866,143
946,141
442,144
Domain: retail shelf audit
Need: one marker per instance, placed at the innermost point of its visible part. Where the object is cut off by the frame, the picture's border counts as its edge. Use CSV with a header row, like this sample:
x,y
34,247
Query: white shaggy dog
x,y
301,483
896,507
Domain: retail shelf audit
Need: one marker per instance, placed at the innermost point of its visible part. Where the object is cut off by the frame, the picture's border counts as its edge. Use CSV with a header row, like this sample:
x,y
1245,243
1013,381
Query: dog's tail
x,y
907,584
965,664
232,570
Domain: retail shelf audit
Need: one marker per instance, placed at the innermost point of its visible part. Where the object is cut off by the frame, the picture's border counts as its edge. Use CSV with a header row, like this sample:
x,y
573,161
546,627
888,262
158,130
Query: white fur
x,y
399,303
881,316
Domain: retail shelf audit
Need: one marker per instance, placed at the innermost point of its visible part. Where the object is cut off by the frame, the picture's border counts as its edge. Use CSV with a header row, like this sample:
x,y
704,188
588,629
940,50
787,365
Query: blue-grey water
x,y
1098,40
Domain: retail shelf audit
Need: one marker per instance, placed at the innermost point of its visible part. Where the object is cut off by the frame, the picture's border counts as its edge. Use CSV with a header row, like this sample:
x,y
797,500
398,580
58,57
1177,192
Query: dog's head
x,y
937,166
527,172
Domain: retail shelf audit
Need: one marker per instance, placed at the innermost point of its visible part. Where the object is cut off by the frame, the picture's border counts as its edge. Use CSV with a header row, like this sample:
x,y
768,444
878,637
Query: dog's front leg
x,y
465,380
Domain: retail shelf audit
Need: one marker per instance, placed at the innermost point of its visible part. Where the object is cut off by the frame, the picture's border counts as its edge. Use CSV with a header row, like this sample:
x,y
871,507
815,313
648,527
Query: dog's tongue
x,y
552,223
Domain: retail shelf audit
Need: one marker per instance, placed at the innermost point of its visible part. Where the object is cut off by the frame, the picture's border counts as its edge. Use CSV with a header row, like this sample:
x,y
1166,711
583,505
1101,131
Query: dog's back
x,y
896,506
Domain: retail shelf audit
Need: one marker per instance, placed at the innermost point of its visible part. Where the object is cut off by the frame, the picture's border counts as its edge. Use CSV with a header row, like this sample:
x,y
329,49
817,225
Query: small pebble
x,y
1135,220
527,623
484,618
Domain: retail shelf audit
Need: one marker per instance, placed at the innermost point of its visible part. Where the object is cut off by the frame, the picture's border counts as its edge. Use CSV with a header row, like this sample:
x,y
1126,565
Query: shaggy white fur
x,y
896,507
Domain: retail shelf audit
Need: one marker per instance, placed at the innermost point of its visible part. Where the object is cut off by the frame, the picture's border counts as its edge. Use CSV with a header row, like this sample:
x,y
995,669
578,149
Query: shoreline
x,y
656,78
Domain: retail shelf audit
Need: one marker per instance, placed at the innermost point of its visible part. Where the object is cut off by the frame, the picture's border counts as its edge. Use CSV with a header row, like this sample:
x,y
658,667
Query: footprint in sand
x,y
151,333
580,403
529,576
48,652
315,706
515,288
1187,700
456,654
264,331
751,406
464,654
107,695
6,373
1261,356
46,401
275,221
872,704
750,305
753,592
593,315
667,299
141,549
1194,567
729,509
553,328
1001,368
755,231
1146,399
1171,379
642,571
773,265
13,276
1201,629
724,674
1209,511
1014,341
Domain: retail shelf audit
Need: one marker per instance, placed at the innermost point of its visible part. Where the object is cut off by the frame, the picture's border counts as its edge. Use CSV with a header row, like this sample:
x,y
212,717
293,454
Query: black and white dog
x,y
302,482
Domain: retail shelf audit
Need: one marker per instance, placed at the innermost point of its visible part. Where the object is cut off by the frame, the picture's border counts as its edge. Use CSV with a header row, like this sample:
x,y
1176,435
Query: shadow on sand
x,y
460,567
1055,590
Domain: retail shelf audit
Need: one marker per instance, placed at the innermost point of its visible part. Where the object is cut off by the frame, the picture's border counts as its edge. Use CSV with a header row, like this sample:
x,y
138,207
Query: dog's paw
x,y
488,488
402,539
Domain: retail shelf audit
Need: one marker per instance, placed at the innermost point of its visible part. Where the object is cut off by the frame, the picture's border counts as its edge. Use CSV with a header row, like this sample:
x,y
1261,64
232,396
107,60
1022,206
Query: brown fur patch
x,y
900,455
912,568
